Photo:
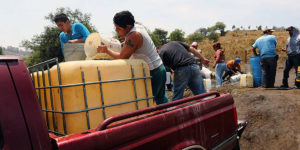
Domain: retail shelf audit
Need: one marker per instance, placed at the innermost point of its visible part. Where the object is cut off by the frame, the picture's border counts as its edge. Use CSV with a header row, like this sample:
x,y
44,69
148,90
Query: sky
x,y
23,19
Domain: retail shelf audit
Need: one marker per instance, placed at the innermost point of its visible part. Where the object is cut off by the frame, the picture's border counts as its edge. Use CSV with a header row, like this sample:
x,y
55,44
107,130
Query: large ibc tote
x,y
256,70
78,95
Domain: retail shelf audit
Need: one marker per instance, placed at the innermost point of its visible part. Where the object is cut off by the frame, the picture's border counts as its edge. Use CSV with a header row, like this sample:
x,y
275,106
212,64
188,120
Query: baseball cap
x,y
238,60
268,30
290,28
195,44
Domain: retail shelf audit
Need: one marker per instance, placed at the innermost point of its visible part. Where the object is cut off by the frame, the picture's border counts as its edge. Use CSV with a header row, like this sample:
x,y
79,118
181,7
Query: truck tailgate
x,y
198,122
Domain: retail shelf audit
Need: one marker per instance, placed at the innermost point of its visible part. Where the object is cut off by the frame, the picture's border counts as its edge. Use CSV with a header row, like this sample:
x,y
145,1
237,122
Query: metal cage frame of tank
x,y
45,66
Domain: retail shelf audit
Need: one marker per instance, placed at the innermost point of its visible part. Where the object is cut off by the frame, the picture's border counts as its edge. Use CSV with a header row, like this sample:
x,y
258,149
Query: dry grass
x,y
239,44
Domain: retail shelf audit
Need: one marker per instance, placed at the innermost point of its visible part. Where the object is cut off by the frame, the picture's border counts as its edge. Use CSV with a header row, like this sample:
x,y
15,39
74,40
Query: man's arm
x,y
80,28
197,54
76,41
254,51
132,42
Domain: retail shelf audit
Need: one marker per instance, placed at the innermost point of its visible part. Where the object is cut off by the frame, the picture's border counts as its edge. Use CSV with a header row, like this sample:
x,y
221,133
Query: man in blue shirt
x,y
266,45
71,33
292,49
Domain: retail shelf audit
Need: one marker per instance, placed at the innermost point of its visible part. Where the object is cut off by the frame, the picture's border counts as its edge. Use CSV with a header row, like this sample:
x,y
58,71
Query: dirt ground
x,y
272,115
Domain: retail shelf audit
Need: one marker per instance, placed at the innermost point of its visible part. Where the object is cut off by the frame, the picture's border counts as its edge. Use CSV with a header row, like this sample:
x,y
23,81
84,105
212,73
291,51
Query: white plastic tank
x,y
74,51
94,40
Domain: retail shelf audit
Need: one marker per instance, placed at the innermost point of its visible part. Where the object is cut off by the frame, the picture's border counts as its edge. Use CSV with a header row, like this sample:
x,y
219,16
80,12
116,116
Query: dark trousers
x,y
268,66
229,73
292,61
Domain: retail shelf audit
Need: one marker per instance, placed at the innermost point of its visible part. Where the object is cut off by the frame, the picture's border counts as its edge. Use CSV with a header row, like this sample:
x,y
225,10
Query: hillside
x,y
239,43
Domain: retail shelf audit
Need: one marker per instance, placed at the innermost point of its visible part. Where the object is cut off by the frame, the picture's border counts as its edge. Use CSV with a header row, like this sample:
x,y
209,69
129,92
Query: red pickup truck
x,y
207,121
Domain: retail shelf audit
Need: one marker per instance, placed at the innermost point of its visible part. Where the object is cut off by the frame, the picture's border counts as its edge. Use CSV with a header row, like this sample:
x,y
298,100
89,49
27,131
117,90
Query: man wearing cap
x,y
233,67
292,49
266,45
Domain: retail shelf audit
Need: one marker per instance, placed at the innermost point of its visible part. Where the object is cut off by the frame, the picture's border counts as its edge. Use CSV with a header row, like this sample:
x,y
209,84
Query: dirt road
x,y
272,115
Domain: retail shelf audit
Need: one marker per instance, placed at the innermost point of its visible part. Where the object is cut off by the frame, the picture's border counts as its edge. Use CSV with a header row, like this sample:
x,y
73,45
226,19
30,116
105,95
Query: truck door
x,y
21,121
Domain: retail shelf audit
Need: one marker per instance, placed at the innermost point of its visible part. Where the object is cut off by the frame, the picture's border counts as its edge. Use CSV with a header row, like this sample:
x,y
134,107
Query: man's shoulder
x,y
134,36
271,37
62,35
78,25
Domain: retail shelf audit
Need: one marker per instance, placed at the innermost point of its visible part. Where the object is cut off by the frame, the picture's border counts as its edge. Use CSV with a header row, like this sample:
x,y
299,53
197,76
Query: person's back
x,y
266,45
232,65
176,54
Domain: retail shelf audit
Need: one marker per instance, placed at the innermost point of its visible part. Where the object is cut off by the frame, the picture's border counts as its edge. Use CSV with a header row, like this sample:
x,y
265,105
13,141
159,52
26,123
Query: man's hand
x,y
205,62
71,41
76,41
214,66
254,51
102,48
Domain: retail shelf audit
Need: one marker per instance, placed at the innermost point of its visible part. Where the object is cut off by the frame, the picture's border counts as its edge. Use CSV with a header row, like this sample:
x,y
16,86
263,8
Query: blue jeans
x,y
187,75
220,69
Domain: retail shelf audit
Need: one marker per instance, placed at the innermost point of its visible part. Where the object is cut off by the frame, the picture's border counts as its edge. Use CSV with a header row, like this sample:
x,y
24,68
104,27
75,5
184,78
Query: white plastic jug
x,y
209,84
205,72
235,78
246,80
94,40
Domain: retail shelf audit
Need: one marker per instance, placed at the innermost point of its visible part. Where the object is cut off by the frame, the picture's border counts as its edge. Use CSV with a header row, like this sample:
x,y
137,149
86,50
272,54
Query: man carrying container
x,y
292,49
71,33
266,45
233,67
138,45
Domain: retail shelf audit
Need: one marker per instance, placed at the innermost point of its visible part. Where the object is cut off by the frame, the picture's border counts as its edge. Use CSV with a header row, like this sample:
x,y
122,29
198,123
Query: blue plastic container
x,y
256,70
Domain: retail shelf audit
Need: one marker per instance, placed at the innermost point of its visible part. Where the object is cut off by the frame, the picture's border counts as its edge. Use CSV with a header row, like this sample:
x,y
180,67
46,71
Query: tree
x,y
202,31
177,35
233,27
221,27
161,34
155,38
47,45
249,27
1,53
213,36
195,37
259,27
